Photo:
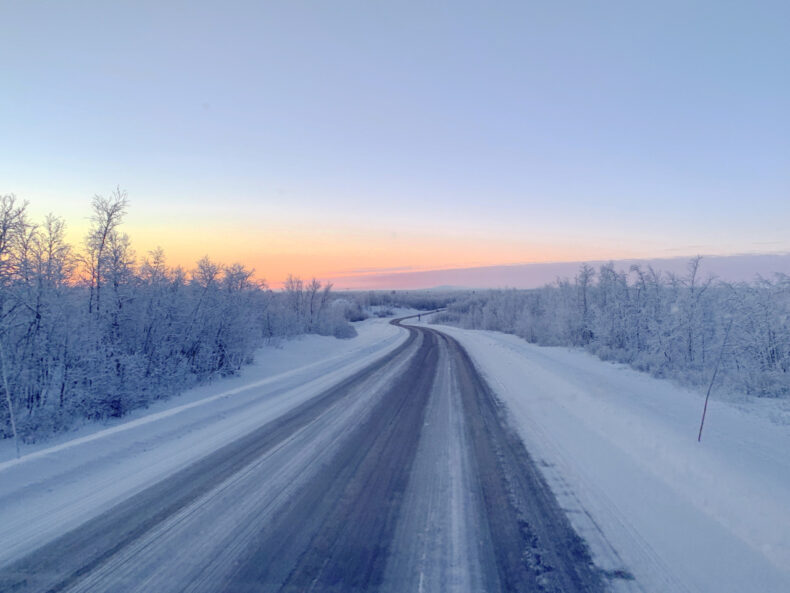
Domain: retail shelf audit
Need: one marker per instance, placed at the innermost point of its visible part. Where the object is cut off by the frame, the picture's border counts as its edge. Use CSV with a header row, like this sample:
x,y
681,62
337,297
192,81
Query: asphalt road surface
x,y
405,477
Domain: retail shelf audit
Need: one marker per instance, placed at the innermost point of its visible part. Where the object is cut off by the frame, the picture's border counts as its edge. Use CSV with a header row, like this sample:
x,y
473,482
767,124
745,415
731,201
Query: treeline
x,y
668,325
384,302
95,332
424,300
360,305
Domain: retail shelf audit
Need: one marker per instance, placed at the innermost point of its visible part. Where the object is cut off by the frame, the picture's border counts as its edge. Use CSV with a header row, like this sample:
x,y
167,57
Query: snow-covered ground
x,y
619,448
61,483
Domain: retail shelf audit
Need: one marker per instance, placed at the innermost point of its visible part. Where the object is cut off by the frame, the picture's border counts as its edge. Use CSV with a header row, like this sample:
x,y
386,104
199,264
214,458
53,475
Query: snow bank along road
x,y
619,450
401,477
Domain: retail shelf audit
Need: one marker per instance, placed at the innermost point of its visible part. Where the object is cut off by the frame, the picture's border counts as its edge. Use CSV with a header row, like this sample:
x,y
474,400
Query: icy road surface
x,y
400,474
619,450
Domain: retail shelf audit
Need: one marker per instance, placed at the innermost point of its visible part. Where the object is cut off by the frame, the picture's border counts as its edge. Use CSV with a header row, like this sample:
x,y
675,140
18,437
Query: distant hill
x,y
732,268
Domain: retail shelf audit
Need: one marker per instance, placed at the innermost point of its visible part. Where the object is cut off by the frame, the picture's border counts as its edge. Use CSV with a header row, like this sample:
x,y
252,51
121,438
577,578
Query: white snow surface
x,y
619,449
59,484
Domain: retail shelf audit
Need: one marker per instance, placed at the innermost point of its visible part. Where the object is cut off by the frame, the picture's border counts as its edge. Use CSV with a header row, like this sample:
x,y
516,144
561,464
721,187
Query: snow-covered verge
x,y
619,448
59,484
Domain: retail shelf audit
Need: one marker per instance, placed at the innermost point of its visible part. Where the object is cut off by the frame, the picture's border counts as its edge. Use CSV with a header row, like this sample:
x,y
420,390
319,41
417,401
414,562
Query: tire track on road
x,y
335,528
57,565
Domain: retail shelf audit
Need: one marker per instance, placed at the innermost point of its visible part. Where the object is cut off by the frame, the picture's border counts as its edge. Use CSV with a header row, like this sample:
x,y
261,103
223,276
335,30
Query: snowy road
x,y
619,450
403,476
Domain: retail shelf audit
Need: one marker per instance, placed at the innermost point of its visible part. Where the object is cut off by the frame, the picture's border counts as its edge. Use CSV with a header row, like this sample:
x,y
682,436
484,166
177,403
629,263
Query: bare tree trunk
x,y
8,397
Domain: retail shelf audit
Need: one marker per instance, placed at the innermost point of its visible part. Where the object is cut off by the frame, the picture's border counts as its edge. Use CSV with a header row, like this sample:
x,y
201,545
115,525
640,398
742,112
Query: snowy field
x,y
619,448
61,483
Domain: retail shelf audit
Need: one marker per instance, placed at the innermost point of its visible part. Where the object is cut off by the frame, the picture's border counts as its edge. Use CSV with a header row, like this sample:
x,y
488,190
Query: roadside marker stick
x,y
712,379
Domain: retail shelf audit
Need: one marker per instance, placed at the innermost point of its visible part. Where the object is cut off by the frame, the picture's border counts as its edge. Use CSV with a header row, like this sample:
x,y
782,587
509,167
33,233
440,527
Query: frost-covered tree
x,y
107,215
668,325
94,334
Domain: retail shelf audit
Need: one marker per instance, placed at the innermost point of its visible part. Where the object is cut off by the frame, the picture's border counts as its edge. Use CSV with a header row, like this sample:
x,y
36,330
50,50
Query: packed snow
x,y
56,486
619,449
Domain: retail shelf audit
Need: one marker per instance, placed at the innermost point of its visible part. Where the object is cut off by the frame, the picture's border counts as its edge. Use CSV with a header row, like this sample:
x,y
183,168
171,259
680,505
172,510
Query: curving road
x,y
404,477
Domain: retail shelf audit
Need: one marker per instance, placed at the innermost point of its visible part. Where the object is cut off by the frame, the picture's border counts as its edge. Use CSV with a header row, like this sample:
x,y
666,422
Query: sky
x,y
360,138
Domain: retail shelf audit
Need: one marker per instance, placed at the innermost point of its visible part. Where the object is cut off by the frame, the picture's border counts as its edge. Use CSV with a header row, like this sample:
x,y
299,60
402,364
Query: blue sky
x,y
329,136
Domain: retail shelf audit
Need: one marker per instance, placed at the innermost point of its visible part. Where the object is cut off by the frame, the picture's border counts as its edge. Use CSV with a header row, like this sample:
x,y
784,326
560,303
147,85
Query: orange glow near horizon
x,y
333,256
